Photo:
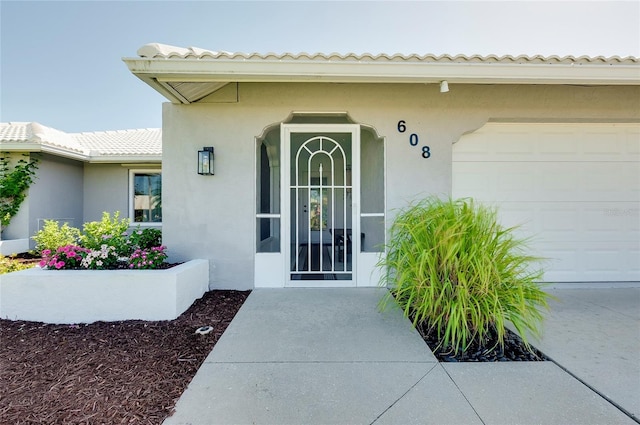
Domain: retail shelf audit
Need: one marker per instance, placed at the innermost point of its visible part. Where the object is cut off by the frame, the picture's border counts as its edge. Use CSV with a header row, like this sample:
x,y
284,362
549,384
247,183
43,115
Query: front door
x,y
320,170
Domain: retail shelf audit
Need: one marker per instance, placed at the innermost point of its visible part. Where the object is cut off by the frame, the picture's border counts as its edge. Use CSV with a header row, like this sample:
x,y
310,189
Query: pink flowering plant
x,y
65,257
104,245
151,258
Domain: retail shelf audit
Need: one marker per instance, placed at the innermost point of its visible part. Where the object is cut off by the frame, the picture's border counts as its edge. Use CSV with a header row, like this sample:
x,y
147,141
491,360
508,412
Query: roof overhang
x,y
38,147
93,158
133,160
189,77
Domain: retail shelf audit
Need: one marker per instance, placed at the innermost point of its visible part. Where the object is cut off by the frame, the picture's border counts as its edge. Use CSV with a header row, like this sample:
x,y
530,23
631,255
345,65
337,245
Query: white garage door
x,y
574,188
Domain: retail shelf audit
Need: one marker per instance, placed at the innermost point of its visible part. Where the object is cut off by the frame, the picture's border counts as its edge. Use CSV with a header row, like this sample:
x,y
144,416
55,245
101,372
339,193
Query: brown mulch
x,y
128,372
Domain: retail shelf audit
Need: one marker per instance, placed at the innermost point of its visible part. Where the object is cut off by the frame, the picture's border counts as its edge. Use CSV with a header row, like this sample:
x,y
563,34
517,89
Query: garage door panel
x,y
601,145
603,263
560,263
632,145
633,259
611,217
559,222
553,145
511,187
504,147
550,182
583,222
533,143
568,221
472,180
517,217
574,190
568,262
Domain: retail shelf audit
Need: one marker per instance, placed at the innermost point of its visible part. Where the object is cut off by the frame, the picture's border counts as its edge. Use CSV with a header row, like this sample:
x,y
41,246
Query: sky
x,y
61,62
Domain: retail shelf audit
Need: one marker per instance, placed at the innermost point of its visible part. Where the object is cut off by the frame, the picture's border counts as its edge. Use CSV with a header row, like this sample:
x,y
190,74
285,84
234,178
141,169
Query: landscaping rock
x,y
514,349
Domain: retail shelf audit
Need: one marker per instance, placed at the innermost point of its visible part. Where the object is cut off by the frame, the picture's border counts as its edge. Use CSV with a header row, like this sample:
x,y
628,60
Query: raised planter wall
x,y
86,296
14,246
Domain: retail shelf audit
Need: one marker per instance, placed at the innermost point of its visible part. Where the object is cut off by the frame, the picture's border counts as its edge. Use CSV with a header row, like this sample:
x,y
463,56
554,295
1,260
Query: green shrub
x,y
151,258
52,236
108,231
452,267
104,244
8,265
145,238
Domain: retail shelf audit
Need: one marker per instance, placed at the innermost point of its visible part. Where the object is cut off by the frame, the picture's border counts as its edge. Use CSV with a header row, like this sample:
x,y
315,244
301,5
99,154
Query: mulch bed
x,y
106,372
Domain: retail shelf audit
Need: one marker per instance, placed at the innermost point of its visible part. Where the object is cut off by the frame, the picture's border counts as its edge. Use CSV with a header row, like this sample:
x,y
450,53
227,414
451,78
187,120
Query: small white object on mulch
x,y
204,330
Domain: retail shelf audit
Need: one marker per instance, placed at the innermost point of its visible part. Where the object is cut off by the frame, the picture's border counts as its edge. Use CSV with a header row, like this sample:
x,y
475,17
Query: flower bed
x,y
86,296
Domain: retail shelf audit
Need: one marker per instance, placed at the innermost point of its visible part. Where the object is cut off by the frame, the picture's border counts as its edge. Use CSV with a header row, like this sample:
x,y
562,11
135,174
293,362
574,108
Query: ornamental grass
x,y
452,267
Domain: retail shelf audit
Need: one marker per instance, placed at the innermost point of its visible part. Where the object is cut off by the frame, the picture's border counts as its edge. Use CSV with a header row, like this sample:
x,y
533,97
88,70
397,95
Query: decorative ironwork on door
x,y
321,208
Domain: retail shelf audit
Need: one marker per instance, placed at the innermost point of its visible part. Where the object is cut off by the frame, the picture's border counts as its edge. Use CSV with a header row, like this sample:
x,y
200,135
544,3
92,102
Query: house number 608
x,y
414,139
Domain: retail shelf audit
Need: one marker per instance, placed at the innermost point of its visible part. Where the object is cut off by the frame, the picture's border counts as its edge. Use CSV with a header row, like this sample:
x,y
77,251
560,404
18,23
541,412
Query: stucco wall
x,y
71,191
18,228
213,216
57,193
106,188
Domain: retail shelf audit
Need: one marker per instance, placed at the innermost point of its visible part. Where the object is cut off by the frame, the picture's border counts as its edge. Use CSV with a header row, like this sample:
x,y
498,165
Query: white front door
x,y
320,173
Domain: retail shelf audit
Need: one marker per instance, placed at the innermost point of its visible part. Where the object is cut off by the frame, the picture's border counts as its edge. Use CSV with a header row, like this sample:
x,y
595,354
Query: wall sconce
x,y
444,86
205,161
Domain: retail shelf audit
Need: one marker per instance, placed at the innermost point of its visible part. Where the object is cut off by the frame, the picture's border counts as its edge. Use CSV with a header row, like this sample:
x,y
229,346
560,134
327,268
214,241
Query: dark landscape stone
x,y
489,351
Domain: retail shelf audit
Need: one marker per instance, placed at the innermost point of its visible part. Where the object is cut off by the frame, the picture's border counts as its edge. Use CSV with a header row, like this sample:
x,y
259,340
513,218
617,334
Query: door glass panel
x,y
268,234
268,177
321,209
372,174
268,194
372,225
372,234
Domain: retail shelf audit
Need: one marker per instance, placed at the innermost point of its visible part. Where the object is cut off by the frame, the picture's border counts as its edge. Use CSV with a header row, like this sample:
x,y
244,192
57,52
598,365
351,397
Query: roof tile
x,y
163,51
15,132
123,142
140,142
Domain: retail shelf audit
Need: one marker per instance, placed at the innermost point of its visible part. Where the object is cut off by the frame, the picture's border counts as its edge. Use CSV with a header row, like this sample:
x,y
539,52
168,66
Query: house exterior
x,y
313,150
315,154
80,176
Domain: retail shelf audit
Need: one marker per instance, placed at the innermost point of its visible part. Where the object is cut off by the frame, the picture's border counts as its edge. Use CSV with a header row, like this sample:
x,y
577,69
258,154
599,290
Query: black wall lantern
x,y
205,161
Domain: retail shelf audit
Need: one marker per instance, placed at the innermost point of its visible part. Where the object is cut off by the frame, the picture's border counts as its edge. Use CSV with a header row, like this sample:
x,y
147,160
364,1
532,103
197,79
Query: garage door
x,y
573,188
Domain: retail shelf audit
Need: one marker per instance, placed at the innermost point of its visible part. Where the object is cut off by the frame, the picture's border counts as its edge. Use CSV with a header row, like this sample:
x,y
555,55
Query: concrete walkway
x,y
328,356
595,335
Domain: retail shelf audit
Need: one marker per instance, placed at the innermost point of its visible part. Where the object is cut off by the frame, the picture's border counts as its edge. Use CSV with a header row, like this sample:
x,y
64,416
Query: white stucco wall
x,y
87,296
213,216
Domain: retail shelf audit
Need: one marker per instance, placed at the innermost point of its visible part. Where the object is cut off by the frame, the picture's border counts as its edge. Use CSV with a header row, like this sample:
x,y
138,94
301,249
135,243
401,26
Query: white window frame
x,y
132,174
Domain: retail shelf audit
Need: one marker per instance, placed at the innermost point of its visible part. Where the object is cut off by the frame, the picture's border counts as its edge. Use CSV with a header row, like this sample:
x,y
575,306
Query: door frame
x,y
285,177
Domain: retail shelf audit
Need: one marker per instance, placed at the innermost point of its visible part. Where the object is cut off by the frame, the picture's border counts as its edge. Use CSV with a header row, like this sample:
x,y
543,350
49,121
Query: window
x,y
268,194
372,215
145,196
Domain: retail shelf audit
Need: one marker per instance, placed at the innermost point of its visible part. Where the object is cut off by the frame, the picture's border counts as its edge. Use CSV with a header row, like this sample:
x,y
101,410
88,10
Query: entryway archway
x,y
320,216
320,163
